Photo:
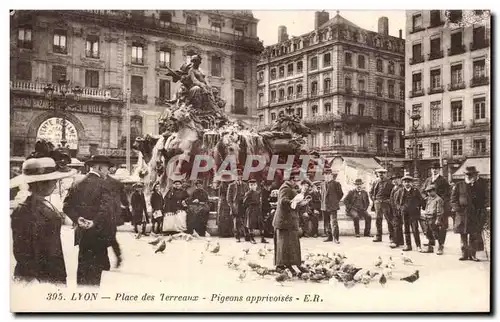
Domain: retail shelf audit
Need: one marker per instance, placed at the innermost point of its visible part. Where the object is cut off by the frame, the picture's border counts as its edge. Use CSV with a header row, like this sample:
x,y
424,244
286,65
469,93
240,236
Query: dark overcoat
x,y
469,202
36,236
285,217
333,195
139,209
411,204
253,209
173,200
119,201
235,194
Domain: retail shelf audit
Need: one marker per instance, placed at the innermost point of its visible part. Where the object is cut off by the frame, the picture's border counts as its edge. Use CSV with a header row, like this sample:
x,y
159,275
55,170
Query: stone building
x,y
345,82
448,83
114,55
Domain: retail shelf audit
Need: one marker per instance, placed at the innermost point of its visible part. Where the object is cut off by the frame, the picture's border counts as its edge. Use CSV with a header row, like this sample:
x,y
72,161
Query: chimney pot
x,y
400,33
320,18
282,35
383,26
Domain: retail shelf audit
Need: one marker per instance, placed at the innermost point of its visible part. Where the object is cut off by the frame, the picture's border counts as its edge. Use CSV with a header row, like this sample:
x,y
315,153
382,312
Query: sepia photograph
x,y
333,161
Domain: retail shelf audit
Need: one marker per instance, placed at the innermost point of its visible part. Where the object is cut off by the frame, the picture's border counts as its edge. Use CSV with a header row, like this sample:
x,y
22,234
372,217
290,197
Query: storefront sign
x,y
40,103
111,152
51,130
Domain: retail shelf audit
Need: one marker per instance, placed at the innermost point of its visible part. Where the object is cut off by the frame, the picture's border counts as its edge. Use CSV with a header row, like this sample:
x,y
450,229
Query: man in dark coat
x,y
443,191
119,203
381,196
235,194
198,205
469,200
176,199
156,201
408,201
87,204
139,209
252,203
331,193
356,206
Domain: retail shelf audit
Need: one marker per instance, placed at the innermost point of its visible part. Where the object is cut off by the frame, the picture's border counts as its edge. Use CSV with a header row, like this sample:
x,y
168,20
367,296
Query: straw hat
x,y
40,169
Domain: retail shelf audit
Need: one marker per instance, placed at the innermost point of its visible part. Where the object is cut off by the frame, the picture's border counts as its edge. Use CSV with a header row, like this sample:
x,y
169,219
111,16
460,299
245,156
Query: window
x,y
59,45
92,78
261,118
402,90
361,140
261,76
456,112
390,141
391,68
326,138
417,52
379,138
273,116
435,18
282,71
380,66
327,61
361,61
135,126
58,72
435,78
164,89
435,115
23,70
239,70
273,74
24,38
137,54
456,40
327,84
328,108
456,74
273,96
417,82
216,27
290,110
479,69
261,99
401,70
479,108
300,112
216,67
435,151
456,147
361,86
191,22
416,109
314,63
314,110
92,47
165,58
348,138
290,69
402,119
478,36
361,109
299,90
390,88
347,109
314,140
314,88
380,87
239,101
348,84
239,31
290,92
136,88
299,67
348,59
281,94
417,22
391,114
435,47
165,18
479,147
378,112
455,16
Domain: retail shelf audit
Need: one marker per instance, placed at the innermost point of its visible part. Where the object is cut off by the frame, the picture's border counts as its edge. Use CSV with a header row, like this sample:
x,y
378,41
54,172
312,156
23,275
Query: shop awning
x,y
364,163
482,165
396,162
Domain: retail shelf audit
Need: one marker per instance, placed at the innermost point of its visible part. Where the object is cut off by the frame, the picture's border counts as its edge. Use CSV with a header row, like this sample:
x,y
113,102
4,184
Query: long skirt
x,y
224,219
286,247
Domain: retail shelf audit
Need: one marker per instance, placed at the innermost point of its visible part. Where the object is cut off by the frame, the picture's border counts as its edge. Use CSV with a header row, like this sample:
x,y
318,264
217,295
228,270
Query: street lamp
x,y
60,102
386,147
415,124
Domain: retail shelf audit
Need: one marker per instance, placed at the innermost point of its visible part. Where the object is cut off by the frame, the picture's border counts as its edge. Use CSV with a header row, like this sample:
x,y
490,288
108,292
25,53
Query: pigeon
x,y
153,234
216,248
378,262
155,242
253,265
387,271
195,234
411,278
207,246
262,271
161,248
242,275
391,263
202,257
230,262
207,235
170,238
246,250
382,280
373,274
188,237
282,277
406,260
305,276
262,253
349,284
270,250
139,235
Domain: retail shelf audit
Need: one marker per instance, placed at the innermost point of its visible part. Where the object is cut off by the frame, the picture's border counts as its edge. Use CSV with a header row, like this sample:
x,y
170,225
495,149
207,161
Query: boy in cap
x,y
356,205
433,212
139,210
252,204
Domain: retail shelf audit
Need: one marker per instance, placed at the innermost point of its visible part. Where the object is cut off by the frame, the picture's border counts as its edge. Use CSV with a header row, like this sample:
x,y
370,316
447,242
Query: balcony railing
x,y
319,119
435,55
436,23
343,147
25,44
435,90
456,86
456,50
416,59
162,101
391,95
480,153
475,45
479,81
362,92
239,110
416,93
357,119
139,99
137,61
417,29
348,90
91,54
163,64
38,88
59,49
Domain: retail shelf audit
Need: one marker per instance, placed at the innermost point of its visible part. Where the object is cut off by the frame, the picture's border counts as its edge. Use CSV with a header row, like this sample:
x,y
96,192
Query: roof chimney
x,y
400,33
383,26
282,35
320,18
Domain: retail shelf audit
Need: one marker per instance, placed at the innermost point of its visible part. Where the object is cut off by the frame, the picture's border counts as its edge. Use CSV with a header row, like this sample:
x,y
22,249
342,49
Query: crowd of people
x,y
98,204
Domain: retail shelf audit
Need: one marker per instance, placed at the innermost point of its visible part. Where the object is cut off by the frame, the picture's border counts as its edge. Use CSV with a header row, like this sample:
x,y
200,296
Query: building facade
x,y
346,83
116,56
448,85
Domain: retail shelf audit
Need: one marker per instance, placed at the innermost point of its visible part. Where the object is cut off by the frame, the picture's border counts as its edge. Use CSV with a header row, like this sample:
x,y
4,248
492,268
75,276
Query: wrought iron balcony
x,y
436,23
456,86
357,119
435,90
59,49
343,147
362,92
137,61
479,81
38,88
416,93
435,55
417,59
348,90
139,99
91,54
26,44
240,110
162,101
456,50
320,119
475,45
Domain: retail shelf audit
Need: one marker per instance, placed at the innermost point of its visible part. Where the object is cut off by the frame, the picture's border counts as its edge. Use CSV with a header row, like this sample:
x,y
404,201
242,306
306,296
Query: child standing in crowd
x,y
139,210
253,212
157,207
432,216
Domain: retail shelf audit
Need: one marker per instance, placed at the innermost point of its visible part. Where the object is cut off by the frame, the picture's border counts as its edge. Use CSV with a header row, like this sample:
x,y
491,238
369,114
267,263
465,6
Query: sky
x,y
299,22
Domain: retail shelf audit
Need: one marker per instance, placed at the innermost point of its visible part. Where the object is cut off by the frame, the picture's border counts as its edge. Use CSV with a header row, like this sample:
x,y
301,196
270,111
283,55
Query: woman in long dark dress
x,y
156,201
36,225
224,218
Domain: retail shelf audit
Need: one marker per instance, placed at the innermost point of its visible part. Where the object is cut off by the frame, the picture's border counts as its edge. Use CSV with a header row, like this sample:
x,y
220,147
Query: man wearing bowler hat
x,y
469,200
443,190
381,196
235,194
356,205
87,204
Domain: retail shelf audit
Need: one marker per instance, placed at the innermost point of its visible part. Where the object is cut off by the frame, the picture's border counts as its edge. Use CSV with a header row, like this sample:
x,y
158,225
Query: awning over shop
x,y
482,165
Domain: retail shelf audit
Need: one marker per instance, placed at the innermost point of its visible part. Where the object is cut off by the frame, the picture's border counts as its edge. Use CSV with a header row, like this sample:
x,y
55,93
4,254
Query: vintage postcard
x,y
250,161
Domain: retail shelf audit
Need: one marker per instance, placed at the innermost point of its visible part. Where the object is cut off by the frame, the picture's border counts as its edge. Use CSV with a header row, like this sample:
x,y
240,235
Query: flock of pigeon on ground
x,y
319,267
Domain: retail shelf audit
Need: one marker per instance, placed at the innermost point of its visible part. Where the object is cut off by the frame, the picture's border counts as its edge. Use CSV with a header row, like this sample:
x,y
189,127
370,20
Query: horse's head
x,y
145,146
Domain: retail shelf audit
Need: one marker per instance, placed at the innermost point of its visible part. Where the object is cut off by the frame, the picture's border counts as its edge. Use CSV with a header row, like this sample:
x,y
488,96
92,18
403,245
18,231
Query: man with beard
x,y
356,205
443,190
235,194
200,208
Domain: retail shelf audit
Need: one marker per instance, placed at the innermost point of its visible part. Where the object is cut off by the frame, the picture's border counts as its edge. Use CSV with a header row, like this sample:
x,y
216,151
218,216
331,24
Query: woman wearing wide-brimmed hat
x,y
36,224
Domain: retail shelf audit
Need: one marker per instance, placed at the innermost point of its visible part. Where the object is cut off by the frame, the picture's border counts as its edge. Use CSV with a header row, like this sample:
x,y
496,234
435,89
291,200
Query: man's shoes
x,y
474,258
357,236
253,241
429,249
238,240
367,235
393,245
440,250
377,240
463,258
336,241
328,239
118,261
407,249
264,241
